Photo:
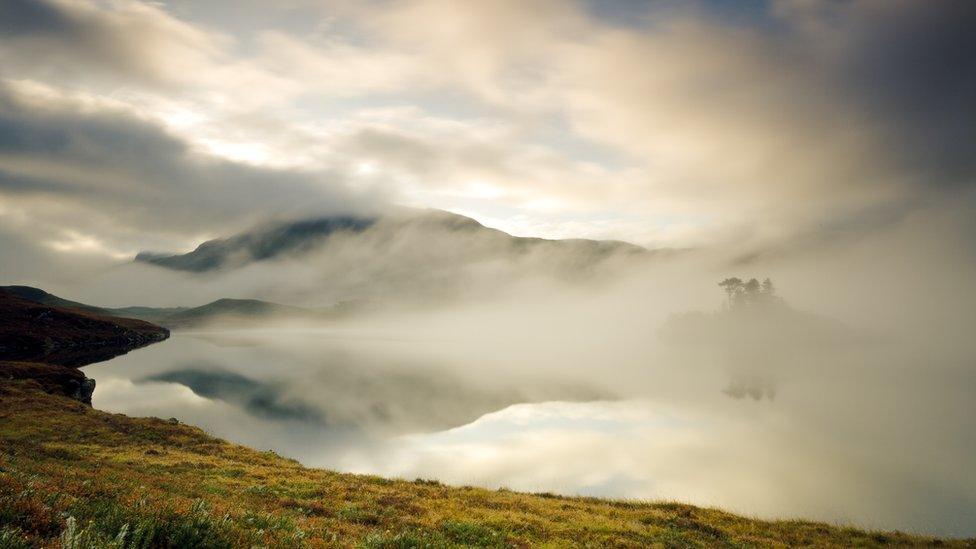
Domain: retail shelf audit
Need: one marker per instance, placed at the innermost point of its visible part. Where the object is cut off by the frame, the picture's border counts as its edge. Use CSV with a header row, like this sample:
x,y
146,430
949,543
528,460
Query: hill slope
x,y
167,484
35,332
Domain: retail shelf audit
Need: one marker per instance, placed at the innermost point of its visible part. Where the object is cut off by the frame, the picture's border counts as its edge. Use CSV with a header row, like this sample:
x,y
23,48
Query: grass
x,y
78,478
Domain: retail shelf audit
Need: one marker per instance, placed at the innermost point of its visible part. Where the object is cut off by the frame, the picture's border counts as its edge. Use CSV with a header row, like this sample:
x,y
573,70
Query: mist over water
x,y
850,402
870,443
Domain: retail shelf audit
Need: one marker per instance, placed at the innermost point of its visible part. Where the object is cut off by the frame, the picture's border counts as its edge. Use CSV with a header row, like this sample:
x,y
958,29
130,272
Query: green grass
x,y
71,476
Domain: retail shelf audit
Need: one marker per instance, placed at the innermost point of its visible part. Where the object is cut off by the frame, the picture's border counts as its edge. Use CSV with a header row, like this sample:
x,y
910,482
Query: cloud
x,y
736,125
122,40
680,126
804,115
907,65
110,173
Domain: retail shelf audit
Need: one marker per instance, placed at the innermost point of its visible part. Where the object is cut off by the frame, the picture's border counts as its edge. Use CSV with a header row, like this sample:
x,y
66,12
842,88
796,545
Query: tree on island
x,y
746,294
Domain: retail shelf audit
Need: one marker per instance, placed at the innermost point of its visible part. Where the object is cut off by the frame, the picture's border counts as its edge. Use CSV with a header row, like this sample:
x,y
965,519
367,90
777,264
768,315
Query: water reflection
x,y
851,437
372,386
260,399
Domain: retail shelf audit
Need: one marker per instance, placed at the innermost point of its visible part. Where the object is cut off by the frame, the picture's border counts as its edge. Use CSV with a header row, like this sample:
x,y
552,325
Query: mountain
x,y
264,243
460,237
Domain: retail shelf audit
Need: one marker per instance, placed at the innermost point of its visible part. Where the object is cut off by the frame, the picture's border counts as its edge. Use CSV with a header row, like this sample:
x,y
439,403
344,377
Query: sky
x,y
129,125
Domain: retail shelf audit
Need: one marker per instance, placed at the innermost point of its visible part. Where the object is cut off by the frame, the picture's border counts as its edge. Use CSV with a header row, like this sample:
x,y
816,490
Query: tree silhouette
x,y
752,287
750,293
732,287
747,294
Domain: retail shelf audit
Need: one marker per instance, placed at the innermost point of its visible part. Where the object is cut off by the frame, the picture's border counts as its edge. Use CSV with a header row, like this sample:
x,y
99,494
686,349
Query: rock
x,y
85,390
52,378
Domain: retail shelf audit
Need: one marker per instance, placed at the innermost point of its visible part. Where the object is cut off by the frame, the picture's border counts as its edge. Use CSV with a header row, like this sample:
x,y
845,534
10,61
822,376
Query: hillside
x,y
46,343
38,295
225,311
159,483
72,337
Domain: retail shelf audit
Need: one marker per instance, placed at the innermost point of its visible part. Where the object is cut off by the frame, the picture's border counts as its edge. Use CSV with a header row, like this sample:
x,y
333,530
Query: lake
x,y
862,438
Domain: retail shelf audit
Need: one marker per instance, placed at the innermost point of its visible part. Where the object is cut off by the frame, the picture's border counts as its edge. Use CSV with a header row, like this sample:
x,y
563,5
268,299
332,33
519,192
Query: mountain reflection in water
x,y
828,447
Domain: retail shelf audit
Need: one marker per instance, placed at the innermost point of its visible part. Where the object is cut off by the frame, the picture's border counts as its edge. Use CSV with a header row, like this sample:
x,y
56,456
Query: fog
x,y
847,401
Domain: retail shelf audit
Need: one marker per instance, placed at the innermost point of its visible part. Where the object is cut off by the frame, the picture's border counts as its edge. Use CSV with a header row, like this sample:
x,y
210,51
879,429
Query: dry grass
x,y
128,482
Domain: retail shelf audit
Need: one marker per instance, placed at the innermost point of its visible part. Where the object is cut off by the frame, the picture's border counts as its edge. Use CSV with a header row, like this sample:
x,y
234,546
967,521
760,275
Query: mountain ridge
x,y
297,237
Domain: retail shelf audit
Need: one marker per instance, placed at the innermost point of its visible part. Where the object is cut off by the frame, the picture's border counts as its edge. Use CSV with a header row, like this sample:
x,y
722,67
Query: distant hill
x,y
456,235
156,315
224,311
235,311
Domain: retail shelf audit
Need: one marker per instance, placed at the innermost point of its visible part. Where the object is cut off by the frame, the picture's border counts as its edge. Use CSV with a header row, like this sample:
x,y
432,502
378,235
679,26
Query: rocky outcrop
x,y
53,379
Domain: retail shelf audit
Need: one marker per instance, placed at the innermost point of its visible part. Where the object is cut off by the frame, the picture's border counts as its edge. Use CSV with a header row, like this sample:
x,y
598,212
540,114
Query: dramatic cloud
x,y
107,172
769,129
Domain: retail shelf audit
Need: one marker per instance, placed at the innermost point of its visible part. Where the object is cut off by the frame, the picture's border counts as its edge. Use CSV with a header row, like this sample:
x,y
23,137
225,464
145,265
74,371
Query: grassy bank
x,y
73,475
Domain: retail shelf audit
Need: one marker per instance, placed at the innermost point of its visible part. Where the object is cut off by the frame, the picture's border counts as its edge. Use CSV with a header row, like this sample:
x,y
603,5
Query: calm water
x,y
839,439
